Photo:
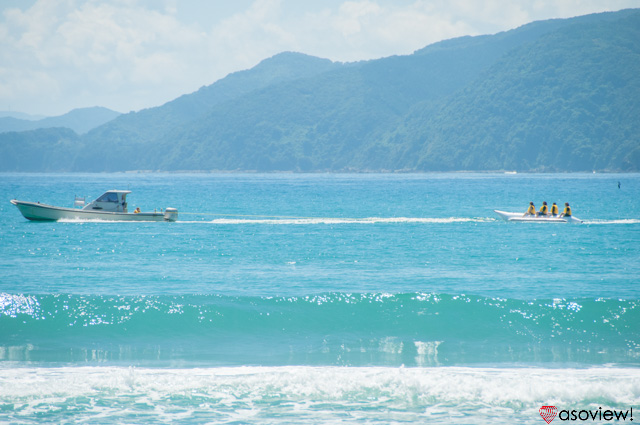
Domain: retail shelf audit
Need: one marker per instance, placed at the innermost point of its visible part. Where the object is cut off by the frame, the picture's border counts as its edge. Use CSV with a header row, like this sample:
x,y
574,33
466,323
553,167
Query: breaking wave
x,y
327,329
309,395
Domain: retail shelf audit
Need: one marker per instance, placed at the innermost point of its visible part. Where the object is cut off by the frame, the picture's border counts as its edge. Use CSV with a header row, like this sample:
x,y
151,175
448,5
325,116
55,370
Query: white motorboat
x,y
111,206
511,216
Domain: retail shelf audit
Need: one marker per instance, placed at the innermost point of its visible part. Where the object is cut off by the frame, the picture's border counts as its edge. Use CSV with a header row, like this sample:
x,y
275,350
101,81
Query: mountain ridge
x,y
556,95
80,120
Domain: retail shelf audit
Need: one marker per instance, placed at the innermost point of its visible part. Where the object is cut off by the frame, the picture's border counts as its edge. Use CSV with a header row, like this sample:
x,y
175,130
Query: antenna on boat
x,y
78,202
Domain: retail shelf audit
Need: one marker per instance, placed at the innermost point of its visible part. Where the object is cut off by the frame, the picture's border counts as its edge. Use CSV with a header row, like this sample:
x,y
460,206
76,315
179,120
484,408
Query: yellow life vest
x,y
531,210
554,209
543,209
567,210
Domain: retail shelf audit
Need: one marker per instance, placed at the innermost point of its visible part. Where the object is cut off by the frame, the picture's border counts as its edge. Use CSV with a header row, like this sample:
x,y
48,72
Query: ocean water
x,y
320,298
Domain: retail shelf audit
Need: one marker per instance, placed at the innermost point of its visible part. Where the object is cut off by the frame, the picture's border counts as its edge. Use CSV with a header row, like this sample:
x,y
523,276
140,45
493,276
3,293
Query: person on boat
x,y
544,210
567,210
531,210
137,210
554,210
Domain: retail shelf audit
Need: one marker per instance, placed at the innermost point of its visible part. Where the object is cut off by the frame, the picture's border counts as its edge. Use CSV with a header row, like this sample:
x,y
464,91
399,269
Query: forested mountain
x,y
558,95
566,102
152,124
40,150
79,120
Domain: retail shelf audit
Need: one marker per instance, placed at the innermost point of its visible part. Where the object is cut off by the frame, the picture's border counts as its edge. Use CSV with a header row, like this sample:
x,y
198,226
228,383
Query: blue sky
x,y
57,55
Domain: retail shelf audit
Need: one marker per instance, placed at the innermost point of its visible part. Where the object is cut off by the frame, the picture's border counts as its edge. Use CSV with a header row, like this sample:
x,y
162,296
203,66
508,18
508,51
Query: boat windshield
x,y
108,197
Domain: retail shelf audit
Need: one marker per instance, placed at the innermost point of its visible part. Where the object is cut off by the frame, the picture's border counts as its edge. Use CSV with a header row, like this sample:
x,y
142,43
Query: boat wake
x,y
622,221
367,220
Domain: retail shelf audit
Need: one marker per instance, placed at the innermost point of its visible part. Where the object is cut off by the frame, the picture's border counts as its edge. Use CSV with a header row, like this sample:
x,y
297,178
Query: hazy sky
x,y
56,55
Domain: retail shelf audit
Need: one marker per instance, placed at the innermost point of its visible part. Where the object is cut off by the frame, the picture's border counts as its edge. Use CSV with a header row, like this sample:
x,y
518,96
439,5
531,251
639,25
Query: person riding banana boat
x,y
567,210
531,210
554,210
544,210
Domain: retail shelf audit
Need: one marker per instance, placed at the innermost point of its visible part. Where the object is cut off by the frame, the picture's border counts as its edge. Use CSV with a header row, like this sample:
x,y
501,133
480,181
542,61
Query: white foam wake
x,y
622,221
367,220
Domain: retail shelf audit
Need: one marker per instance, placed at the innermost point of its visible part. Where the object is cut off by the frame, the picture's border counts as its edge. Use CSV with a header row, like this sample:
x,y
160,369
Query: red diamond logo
x,y
548,413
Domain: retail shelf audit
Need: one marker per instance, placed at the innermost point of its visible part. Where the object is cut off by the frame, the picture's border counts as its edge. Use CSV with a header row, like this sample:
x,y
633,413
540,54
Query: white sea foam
x,y
427,353
622,221
311,394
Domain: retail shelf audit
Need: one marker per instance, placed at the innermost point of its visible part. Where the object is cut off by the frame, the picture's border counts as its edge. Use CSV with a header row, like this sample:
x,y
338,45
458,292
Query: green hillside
x,y
557,95
42,150
151,124
569,101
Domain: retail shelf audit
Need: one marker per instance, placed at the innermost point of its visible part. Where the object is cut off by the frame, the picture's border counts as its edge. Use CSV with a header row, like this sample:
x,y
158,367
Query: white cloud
x,y
368,30
352,16
60,54
94,53
245,38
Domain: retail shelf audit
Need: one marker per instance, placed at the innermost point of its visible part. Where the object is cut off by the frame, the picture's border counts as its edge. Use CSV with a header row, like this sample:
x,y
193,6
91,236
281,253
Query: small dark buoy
x,y
618,185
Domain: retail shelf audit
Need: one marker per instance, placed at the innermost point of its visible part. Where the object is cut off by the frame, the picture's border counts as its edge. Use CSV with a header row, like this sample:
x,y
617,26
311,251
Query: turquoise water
x,y
286,298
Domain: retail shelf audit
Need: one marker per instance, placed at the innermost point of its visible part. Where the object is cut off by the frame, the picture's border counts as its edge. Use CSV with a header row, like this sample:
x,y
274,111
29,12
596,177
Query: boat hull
x,y
509,216
42,212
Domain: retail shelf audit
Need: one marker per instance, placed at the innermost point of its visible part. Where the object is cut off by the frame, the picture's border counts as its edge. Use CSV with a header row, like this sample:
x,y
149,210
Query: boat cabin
x,y
111,201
